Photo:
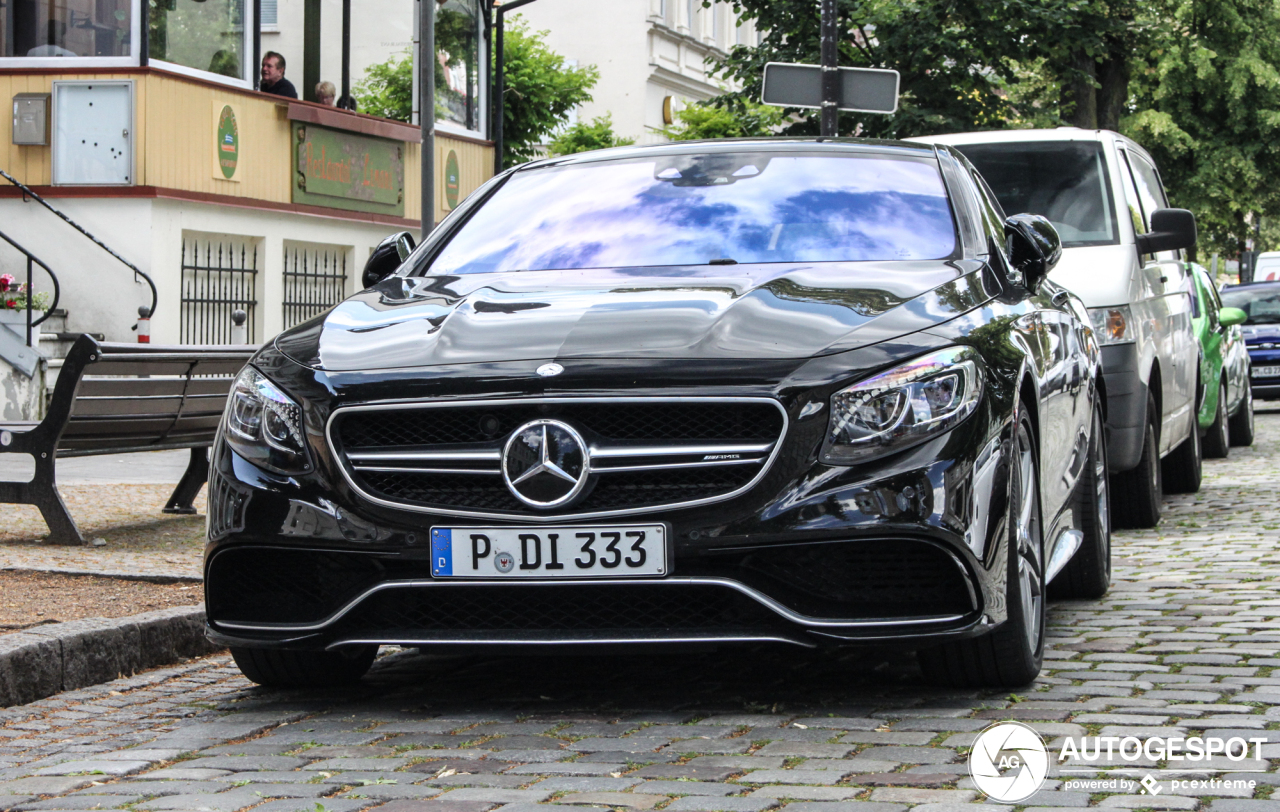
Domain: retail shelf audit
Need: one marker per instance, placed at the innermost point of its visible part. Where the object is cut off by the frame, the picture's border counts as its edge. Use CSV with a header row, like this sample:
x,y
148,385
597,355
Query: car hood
x,y
1255,334
1100,275
706,312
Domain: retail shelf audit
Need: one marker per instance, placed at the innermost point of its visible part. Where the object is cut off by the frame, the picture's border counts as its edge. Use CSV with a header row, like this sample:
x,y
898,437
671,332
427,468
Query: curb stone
x,y
46,660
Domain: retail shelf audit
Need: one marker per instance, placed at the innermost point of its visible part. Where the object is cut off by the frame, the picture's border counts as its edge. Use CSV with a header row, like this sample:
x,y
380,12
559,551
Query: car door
x,y
1167,311
1046,333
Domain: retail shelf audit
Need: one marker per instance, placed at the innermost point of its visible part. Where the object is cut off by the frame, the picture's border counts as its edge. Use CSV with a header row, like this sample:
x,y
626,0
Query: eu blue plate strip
x,y
441,551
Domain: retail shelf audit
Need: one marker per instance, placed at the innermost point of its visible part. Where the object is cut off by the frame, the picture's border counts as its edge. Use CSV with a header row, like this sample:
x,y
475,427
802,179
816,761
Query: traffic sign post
x,y
862,90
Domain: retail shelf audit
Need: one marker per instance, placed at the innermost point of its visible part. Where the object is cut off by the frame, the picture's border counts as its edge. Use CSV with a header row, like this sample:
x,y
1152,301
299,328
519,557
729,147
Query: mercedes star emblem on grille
x,y
545,464
550,370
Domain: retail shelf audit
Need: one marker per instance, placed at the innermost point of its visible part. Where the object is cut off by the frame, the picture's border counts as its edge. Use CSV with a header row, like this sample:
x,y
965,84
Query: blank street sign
x,y
862,90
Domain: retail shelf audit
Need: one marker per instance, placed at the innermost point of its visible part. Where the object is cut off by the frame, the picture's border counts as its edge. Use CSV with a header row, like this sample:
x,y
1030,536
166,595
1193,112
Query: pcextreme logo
x,y
1009,762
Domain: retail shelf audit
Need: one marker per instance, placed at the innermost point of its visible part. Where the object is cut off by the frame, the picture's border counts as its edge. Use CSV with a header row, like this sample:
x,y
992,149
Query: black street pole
x,y
830,71
427,109
346,49
499,82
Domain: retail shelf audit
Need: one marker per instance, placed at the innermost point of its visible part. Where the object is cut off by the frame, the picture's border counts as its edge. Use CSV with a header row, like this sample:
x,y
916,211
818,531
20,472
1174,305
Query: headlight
x,y
265,426
902,407
1112,325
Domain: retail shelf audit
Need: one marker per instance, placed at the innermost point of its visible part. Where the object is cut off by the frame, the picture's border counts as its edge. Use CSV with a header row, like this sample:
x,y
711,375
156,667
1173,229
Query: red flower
x,y
6,282
12,304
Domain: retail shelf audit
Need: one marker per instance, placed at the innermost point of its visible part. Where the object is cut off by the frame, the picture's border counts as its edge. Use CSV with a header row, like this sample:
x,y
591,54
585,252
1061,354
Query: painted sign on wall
x,y
452,183
344,170
226,142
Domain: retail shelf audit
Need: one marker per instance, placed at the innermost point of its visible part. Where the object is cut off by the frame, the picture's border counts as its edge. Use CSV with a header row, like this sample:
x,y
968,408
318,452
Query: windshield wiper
x,y
723,261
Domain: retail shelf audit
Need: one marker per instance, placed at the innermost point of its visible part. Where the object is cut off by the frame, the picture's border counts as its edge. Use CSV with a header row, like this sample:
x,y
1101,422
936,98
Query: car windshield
x,y
701,209
1262,305
1063,181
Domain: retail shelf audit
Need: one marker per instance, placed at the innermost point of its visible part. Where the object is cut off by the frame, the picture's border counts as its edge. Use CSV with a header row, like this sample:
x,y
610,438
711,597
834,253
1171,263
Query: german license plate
x,y
1266,372
542,552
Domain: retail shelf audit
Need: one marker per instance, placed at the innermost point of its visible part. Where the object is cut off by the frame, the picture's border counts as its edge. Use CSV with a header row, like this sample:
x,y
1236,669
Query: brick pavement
x,y
1185,644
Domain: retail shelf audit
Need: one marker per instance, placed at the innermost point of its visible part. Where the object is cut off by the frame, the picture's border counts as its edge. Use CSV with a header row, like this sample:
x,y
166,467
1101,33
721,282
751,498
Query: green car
x,y
1226,405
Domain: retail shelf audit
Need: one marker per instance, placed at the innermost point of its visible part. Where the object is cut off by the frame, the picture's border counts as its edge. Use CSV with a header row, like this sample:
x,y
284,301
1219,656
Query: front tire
x,y
1182,468
1217,444
277,668
1088,574
1137,494
1241,423
1010,656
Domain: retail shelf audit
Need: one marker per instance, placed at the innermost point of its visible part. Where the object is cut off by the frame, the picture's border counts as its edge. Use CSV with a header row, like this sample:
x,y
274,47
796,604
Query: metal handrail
x,y
32,259
136,271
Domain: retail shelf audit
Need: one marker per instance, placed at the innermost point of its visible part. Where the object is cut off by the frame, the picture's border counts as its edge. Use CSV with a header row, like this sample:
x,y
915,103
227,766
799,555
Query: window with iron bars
x,y
219,276
315,279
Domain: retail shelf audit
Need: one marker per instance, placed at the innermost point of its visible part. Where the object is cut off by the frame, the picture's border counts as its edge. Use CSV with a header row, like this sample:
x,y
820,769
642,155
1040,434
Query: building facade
x,y
228,198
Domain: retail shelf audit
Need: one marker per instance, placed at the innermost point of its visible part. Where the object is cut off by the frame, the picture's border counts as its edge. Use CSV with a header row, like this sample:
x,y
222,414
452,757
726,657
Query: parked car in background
x,y
1122,256
1226,409
776,391
1261,303
1267,268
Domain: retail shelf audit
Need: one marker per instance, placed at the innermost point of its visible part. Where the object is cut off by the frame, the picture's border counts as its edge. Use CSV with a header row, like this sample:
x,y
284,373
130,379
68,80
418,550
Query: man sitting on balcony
x,y
273,80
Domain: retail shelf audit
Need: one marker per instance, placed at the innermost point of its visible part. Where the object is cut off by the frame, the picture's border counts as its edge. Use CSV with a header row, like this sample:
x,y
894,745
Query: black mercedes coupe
x,y
799,392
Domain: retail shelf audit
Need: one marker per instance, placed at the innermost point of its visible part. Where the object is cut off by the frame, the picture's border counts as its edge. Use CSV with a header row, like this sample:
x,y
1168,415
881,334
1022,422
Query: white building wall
x,y
99,293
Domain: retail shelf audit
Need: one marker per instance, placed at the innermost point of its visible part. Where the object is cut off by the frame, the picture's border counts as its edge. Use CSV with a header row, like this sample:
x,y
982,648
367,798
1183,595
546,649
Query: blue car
x,y
1261,301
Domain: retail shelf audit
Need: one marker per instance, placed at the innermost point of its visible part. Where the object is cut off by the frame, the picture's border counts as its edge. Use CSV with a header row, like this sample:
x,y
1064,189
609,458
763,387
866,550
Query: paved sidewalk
x,y
1185,644
117,498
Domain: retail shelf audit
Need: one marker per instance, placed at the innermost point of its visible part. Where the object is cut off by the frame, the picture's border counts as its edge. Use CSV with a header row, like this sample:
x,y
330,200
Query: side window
x,y
1150,192
1131,197
1195,295
1211,302
965,201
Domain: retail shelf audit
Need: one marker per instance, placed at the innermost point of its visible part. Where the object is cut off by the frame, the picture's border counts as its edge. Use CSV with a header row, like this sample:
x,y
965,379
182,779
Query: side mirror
x,y
1171,229
1231,316
1034,247
386,258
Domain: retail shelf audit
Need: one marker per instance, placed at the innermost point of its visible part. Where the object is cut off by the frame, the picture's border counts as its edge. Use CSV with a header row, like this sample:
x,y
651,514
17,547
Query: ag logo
x,y
1009,762
505,562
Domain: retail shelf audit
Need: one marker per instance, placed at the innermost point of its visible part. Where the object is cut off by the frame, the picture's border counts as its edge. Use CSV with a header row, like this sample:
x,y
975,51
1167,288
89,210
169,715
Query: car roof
x,y
1253,285
780,145
1018,136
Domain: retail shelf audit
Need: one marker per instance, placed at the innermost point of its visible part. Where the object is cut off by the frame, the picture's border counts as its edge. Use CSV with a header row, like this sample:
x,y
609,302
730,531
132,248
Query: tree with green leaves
x,y
585,136
956,57
1206,103
540,91
744,119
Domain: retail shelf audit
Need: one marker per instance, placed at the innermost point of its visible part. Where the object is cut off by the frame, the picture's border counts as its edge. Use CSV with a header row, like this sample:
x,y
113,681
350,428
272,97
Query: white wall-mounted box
x,y
93,133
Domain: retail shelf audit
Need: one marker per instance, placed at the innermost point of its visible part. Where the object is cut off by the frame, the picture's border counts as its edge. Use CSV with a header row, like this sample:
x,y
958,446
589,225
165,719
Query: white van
x,y
1268,267
1121,257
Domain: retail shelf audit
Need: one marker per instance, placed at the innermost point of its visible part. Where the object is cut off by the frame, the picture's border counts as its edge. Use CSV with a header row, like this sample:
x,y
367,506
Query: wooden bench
x,y
120,398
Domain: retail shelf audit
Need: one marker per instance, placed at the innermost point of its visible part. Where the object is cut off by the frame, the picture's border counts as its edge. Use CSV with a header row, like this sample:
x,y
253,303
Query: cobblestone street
x,y
1185,644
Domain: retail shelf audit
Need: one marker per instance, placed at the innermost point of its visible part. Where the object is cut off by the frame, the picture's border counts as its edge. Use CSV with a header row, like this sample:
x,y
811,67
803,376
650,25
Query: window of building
x,y
66,28
200,35
270,15
459,36
691,16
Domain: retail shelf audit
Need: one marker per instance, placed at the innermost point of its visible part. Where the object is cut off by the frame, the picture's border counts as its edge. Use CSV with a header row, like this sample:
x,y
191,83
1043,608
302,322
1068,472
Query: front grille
x,y
559,608
446,456
623,421
285,586
888,578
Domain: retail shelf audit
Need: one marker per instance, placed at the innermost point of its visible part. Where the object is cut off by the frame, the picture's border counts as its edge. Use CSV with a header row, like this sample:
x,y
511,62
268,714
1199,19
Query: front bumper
x,y
910,551
1126,406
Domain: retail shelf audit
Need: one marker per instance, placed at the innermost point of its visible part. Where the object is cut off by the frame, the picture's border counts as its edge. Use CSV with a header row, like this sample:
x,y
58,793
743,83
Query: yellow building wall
x,y
175,133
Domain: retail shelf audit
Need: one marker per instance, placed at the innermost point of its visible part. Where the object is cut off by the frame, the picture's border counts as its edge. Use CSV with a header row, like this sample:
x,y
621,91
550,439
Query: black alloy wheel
x,y
1217,443
1183,468
1136,495
1088,574
304,669
1010,656
1241,423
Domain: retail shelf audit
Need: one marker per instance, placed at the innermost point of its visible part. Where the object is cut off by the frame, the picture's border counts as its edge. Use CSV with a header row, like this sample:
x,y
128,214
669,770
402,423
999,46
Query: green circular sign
x,y
228,142
451,184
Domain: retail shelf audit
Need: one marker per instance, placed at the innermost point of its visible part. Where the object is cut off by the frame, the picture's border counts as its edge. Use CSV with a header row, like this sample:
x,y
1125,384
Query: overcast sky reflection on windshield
x,y
799,208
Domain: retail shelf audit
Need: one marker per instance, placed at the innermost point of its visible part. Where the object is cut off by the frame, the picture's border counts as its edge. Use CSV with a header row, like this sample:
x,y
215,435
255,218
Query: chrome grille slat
x,y
446,457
